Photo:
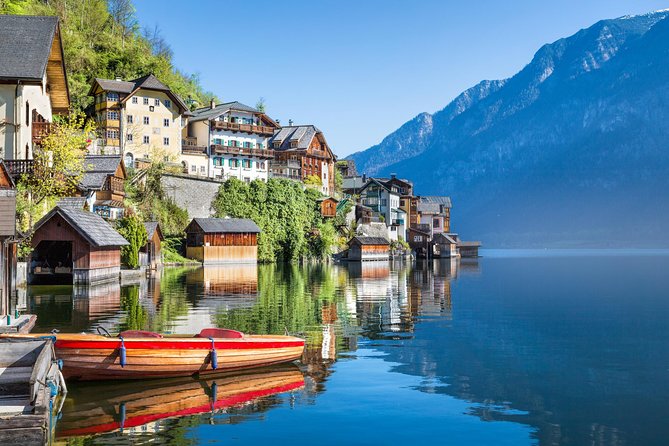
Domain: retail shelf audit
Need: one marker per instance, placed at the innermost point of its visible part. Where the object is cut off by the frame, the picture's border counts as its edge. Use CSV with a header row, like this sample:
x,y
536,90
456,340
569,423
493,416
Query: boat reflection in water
x,y
132,406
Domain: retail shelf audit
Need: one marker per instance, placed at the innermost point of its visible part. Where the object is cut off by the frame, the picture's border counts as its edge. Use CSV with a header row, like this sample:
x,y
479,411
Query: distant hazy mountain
x,y
571,151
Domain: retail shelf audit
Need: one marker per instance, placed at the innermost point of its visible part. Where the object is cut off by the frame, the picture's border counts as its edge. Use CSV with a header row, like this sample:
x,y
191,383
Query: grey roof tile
x,y
72,202
446,201
371,240
91,226
97,168
214,225
150,227
303,134
207,113
25,45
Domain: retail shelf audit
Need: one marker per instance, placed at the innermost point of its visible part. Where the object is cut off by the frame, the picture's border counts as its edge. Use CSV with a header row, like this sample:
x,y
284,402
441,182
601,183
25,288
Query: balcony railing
x,y
40,130
17,168
189,145
221,149
289,164
284,175
114,184
249,128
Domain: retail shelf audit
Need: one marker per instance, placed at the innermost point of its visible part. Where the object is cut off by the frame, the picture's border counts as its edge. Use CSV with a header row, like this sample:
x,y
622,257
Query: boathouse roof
x,y
370,240
93,228
225,225
151,227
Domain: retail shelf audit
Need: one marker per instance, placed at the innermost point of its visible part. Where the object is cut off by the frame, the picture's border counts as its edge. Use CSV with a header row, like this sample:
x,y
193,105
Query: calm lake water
x,y
515,348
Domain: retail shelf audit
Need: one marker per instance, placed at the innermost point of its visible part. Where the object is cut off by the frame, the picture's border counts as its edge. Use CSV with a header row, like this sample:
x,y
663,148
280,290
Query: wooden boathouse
x,y
7,237
445,246
222,240
362,248
150,253
74,246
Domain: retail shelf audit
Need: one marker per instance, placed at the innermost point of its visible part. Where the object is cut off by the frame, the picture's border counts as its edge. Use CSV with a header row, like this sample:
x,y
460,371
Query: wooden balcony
x,y
115,185
17,168
248,128
189,146
40,130
289,164
220,149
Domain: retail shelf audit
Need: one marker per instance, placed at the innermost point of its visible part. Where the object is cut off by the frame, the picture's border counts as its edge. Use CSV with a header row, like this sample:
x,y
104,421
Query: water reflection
x,y
548,351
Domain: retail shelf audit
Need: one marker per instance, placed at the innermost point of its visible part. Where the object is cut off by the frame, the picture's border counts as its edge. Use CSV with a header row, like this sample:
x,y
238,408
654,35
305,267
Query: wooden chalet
x,y
328,207
362,248
150,253
222,240
300,152
74,246
7,237
103,185
419,238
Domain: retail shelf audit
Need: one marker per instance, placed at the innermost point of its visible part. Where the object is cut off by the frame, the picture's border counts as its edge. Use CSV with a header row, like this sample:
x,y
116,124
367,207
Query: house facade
x,y
301,152
138,118
435,211
33,85
102,185
384,200
228,140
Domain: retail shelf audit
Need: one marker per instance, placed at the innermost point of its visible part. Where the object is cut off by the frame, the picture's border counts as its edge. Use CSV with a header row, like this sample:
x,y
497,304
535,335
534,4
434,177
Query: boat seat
x,y
139,334
220,333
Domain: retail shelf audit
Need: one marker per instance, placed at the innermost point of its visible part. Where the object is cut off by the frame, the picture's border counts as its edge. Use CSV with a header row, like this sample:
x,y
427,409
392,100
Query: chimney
x,y
212,104
278,121
290,122
393,176
364,178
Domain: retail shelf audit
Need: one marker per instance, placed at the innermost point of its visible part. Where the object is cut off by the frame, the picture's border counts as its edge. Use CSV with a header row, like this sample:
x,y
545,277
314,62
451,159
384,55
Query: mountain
x,y
572,151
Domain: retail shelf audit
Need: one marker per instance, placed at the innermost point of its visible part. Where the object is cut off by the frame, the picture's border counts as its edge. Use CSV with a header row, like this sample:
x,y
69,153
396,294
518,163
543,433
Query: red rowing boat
x,y
140,354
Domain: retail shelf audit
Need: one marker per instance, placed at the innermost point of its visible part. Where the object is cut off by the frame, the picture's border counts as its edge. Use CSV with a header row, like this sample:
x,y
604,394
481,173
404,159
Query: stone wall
x,y
194,194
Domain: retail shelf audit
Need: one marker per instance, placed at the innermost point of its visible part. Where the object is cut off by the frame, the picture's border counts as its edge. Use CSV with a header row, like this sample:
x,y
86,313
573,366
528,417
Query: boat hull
x,y
93,357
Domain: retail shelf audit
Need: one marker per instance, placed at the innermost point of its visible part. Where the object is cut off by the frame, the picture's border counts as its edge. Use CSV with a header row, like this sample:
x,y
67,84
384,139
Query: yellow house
x,y
139,117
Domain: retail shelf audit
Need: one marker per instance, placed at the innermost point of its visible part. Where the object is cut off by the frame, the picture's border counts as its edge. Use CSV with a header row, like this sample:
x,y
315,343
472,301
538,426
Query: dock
x,y
29,383
17,325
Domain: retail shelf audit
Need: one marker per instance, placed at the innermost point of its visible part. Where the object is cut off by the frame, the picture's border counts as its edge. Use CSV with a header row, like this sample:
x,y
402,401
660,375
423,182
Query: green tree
x,y
132,228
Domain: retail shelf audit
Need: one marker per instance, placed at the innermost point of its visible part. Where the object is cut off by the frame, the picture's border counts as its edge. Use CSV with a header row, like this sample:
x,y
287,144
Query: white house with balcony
x,y
233,137
384,200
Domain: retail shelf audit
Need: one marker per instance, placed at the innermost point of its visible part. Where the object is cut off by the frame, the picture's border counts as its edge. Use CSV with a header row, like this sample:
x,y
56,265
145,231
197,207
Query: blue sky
x,y
359,69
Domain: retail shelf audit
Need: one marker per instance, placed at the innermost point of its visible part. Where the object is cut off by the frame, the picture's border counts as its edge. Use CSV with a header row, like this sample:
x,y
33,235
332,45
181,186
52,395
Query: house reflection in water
x,y
224,280
75,308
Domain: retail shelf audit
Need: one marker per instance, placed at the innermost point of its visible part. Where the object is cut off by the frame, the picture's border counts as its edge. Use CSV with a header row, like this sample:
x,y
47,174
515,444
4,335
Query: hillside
x,y
102,38
571,151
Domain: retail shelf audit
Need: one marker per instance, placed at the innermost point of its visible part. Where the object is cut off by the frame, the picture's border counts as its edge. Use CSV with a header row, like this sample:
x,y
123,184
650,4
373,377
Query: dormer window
x,y
293,144
276,144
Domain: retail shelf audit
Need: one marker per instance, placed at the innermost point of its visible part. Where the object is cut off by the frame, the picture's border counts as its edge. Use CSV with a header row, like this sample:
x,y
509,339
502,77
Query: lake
x,y
515,348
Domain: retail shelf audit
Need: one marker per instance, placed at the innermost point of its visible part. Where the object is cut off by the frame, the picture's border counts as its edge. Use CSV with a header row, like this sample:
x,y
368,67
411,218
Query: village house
x,y
435,211
222,240
33,86
445,246
74,246
361,248
300,152
228,140
139,117
7,238
407,200
384,200
102,185
149,254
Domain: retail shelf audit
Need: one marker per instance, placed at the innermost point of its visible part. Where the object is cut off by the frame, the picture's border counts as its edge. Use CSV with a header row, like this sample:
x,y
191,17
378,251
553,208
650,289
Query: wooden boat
x,y
140,354
29,382
95,408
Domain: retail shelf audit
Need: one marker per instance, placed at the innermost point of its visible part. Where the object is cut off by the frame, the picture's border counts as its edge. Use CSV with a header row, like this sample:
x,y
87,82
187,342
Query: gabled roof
x,y
147,82
370,240
205,113
442,200
428,208
151,227
90,226
97,168
72,202
25,45
302,134
378,183
445,237
319,200
225,225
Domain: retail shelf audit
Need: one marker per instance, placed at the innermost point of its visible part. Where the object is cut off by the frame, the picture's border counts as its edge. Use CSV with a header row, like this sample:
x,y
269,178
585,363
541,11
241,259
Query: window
x,y
112,134
247,145
129,137
166,122
156,102
134,100
384,202
218,141
146,139
247,164
435,223
129,119
247,179
112,96
417,238
193,169
166,141
261,165
202,169
146,120
233,162
145,101
113,115
260,145
218,161
276,144
232,143
167,103
166,159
